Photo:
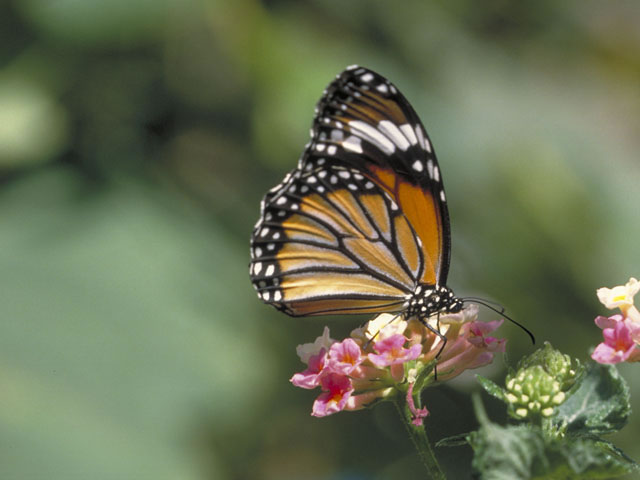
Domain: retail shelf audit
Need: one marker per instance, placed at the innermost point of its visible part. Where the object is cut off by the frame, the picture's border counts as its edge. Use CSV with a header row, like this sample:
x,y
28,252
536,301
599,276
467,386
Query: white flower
x,y
621,297
383,326
308,350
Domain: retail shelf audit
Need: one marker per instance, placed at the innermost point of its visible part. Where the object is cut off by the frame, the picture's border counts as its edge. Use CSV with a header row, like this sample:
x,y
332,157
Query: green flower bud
x,y
541,383
560,366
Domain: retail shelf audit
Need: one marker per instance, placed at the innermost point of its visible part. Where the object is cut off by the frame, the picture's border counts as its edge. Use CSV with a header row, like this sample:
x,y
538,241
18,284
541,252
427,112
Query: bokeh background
x,y
137,138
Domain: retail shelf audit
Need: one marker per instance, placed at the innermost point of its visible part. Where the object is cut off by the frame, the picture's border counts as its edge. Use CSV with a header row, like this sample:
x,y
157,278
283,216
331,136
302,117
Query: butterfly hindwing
x,y
332,241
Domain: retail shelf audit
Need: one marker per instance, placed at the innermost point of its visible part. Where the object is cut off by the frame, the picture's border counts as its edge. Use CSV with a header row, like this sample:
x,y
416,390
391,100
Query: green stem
x,y
419,438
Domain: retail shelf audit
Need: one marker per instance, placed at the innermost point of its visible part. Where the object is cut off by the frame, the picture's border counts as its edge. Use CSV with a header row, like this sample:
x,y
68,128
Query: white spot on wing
x,y
417,166
270,270
257,267
394,133
352,143
409,133
442,197
420,136
367,77
373,135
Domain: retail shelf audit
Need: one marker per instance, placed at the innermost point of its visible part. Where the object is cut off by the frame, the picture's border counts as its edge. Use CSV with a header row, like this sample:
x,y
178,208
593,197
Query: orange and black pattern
x,y
361,225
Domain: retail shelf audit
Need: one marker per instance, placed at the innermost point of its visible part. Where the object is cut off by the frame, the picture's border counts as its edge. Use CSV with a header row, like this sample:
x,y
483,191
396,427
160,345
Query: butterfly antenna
x,y
484,301
500,311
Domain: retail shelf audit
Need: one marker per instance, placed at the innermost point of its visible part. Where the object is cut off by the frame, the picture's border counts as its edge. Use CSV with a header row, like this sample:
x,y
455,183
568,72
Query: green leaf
x,y
588,458
525,452
599,405
507,453
521,452
491,387
454,440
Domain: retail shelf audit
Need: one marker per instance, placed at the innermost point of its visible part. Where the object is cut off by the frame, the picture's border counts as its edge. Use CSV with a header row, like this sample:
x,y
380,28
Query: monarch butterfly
x,y
361,224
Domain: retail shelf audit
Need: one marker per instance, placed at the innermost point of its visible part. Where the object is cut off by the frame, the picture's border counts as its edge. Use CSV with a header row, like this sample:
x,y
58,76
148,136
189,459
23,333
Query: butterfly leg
x,y
436,331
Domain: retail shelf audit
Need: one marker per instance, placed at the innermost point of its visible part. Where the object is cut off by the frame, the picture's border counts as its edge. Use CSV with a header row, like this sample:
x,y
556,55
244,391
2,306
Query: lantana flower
x,y
390,356
621,297
621,332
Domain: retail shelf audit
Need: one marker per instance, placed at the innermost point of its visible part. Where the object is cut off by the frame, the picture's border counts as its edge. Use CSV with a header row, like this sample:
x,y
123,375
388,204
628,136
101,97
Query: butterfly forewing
x,y
328,242
363,121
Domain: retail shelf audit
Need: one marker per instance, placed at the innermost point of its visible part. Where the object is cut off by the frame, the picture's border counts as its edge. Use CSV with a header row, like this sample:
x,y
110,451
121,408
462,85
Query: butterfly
x,y
361,224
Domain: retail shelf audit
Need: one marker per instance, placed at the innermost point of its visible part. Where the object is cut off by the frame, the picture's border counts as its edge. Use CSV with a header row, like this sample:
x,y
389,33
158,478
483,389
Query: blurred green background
x,y
137,138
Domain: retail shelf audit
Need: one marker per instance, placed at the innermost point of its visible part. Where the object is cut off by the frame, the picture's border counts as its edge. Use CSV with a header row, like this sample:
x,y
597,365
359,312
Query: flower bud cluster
x,y
540,384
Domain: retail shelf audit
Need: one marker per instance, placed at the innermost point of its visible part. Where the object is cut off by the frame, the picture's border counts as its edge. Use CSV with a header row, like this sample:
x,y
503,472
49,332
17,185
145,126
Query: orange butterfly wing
x,y
363,219
381,134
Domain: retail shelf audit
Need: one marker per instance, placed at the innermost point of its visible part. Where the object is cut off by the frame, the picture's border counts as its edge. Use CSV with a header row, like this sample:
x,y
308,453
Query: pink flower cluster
x,y
621,332
385,356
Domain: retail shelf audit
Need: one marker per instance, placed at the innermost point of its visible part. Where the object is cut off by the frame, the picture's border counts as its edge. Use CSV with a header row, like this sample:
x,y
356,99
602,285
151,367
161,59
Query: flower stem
x,y
419,438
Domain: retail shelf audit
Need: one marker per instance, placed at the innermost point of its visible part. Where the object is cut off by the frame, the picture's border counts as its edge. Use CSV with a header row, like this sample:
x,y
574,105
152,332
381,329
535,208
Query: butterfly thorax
x,y
430,299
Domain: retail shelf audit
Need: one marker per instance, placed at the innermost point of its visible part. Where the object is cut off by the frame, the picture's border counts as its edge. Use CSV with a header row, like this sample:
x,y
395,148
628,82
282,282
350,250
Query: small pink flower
x,y
310,378
418,414
344,357
477,332
618,345
391,351
337,390
608,322
471,349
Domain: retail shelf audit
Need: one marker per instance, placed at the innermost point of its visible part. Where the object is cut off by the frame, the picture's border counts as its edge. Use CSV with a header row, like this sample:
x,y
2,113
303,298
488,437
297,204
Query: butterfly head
x,y
430,299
